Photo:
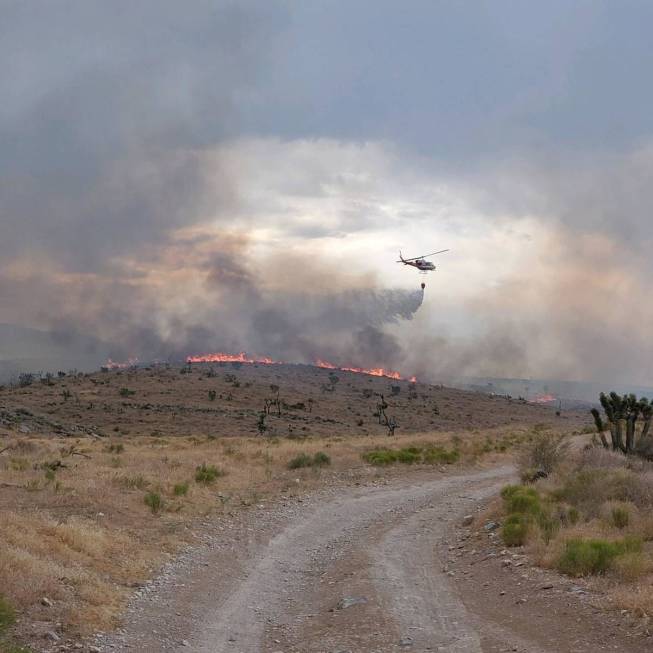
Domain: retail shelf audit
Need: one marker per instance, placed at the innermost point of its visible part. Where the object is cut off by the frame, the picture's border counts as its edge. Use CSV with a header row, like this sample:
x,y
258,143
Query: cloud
x,y
241,175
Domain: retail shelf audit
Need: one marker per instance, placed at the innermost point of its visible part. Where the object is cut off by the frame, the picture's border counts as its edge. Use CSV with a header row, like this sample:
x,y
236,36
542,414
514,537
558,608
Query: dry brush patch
x,y
83,519
591,517
82,522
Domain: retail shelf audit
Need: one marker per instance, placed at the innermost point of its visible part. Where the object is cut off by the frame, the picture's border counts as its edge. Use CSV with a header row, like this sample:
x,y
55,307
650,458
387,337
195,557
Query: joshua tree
x,y
619,409
273,401
381,408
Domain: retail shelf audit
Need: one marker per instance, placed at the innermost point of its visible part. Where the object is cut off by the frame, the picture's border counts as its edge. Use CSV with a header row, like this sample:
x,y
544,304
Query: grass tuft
x,y
321,459
207,474
299,461
154,501
181,489
7,615
585,557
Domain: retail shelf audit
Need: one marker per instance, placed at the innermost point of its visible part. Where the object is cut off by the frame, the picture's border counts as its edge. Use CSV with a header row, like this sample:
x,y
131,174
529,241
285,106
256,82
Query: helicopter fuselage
x,y
421,264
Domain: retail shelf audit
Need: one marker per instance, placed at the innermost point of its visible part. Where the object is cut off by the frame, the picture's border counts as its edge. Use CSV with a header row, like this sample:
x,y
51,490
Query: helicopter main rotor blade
x,y
442,251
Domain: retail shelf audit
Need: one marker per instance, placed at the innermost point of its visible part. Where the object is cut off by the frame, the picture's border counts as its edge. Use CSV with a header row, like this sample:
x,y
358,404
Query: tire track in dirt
x,y
377,544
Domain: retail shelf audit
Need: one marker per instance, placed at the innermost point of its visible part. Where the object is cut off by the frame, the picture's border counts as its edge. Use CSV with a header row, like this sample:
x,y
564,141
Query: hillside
x,y
169,401
104,475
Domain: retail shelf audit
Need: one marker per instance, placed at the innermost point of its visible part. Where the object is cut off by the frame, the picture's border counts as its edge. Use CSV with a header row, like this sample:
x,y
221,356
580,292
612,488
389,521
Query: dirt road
x,y
345,570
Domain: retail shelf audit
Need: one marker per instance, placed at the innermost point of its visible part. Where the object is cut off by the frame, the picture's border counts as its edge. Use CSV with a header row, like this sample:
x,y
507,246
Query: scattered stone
x,y
52,636
349,601
406,642
546,586
467,520
46,602
491,526
185,642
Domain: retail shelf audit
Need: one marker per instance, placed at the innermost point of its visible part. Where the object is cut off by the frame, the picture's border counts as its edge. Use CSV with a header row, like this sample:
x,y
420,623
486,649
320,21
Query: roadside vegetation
x,y
590,513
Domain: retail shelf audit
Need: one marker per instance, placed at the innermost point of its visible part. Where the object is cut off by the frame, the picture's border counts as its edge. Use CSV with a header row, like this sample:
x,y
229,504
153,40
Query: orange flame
x,y
242,357
543,399
221,357
374,371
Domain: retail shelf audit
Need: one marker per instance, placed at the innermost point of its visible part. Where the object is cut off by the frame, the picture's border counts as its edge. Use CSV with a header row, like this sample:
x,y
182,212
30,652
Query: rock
x,y
52,636
546,586
406,642
46,602
185,642
349,601
491,526
94,649
467,520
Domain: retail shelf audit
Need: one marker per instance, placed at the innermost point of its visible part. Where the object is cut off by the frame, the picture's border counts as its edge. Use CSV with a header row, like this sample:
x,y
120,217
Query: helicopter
x,y
420,263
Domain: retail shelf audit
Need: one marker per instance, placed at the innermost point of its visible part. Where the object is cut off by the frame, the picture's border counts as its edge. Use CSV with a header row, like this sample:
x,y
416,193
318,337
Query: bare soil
x,y
168,402
374,568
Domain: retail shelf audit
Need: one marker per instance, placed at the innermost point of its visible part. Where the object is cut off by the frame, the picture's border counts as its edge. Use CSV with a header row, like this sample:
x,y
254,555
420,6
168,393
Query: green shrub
x,y
515,529
207,474
548,525
380,457
619,517
154,501
521,499
7,615
439,455
320,459
181,489
409,455
301,460
126,392
592,556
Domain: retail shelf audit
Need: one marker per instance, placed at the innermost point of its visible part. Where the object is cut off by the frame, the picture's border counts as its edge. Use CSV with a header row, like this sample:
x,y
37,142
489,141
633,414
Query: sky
x,y
177,178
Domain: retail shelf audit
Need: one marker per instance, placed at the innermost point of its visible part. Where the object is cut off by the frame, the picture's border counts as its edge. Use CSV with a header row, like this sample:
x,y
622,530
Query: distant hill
x,y
23,349
572,393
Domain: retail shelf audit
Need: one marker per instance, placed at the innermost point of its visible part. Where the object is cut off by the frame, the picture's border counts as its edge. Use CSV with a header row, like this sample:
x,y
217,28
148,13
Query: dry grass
x,y
74,523
86,536
610,498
